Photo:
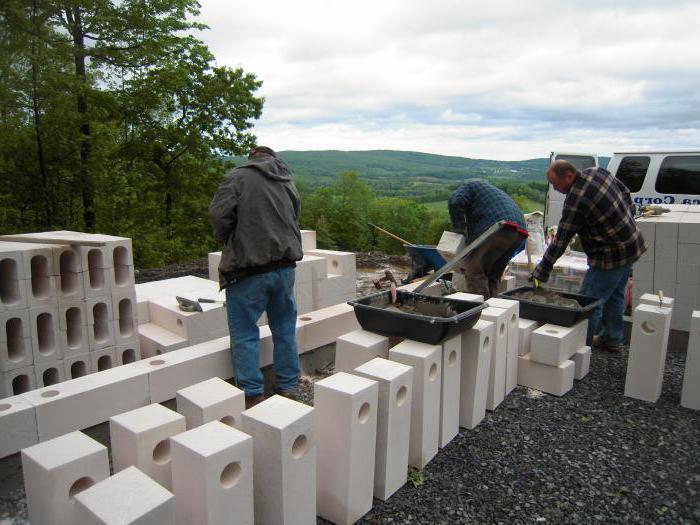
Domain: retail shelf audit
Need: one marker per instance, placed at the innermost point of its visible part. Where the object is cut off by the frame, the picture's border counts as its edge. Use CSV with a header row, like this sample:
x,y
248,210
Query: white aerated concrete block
x,y
449,389
499,354
100,317
303,296
212,470
647,354
155,340
555,380
75,366
50,373
553,344
335,289
88,400
214,258
507,283
195,327
582,362
342,263
125,354
450,244
57,470
690,394
211,400
654,299
464,296
345,408
15,340
284,461
395,383
513,308
176,370
17,381
689,229
17,425
476,364
317,266
322,327
426,361
356,348
141,438
45,338
308,240
129,497
102,359
525,329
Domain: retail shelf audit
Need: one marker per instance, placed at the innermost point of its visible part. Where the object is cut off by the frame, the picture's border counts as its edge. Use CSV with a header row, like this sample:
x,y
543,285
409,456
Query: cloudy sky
x,y
500,79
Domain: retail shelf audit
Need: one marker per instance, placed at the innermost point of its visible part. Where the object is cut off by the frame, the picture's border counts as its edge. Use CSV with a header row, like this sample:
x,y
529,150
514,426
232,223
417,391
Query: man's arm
x,y
223,209
457,206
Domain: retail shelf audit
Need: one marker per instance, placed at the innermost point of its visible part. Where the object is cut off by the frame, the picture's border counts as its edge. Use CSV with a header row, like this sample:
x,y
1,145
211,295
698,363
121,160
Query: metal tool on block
x,y
189,305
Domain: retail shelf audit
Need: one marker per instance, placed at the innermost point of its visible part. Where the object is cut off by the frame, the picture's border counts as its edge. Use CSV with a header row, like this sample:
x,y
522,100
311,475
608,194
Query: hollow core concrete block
x,y
212,468
17,381
513,308
55,471
49,373
499,354
690,393
395,382
75,366
17,425
102,359
345,409
555,380
475,367
127,353
582,362
211,400
284,461
358,347
141,438
426,361
73,328
449,389
44,331
15,340
129,497
553,344
647,354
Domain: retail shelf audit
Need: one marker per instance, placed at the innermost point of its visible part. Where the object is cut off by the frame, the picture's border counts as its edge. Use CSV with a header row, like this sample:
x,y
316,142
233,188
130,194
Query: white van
x,y
653,177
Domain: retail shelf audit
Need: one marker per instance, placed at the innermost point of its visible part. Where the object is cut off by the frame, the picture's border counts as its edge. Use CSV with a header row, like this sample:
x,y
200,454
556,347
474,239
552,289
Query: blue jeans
x,y
246,300
606,320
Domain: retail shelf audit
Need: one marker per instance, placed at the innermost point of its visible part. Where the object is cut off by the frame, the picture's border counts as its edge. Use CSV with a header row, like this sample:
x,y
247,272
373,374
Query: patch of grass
x,y
416,476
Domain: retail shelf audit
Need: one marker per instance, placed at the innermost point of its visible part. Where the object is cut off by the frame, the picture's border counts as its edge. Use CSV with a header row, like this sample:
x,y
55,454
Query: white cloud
x,y
506,79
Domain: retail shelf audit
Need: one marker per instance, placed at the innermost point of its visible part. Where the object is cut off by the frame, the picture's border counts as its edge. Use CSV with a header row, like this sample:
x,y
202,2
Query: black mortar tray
x,y
373,316
549,313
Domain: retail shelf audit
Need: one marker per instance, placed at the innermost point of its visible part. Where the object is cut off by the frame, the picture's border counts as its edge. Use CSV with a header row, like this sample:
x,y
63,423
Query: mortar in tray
x,y
553,313
418,317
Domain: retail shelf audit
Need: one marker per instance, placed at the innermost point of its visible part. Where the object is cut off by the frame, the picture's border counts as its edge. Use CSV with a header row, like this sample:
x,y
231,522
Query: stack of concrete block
x,y
690,394
513,332
67,307
647,354
672,262
557,355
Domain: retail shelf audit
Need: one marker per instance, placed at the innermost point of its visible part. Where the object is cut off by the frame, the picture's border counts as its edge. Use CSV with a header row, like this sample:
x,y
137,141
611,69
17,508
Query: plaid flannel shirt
x,y
598,207
477,205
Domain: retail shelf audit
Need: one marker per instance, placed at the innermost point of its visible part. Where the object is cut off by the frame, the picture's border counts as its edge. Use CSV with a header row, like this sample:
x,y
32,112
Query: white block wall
x,y
690,394
211,400
358,347
499,352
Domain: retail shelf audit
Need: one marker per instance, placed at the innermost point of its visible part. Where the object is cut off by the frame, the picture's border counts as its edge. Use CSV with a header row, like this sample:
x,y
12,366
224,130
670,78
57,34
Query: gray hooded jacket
x,y
254,214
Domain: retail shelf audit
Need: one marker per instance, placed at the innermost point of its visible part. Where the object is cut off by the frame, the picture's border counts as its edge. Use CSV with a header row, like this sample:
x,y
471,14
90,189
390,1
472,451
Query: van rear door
x,y
554,203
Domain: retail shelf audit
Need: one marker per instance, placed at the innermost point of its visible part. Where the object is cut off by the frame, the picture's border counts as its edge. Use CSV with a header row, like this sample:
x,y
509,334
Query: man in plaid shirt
x,y
597,207
474,207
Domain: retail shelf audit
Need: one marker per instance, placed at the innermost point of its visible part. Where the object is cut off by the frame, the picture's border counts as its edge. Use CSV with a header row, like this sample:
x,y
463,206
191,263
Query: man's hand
x,y
538,275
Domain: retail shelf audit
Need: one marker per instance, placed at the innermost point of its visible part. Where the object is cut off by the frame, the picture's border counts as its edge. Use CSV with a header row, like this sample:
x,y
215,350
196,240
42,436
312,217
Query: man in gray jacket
x,y
254,214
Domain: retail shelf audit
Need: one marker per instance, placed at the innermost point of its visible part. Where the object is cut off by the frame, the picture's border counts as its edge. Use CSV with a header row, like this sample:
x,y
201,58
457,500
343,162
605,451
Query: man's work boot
x,y
289,394
251,401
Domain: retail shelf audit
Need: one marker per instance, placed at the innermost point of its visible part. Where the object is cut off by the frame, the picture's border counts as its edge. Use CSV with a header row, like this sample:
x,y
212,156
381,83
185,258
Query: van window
x,y
580,161
632,171
679,175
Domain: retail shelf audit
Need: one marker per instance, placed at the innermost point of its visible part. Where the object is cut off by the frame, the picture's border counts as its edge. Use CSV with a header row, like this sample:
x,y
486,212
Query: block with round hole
x,y
525,329
212,467
155,340
339,263
195,327
513,308
44,326
449,389
356,348
345,408
499,355
690,392
102,359
17,425
49,373
141,438
15,340
127,353
17,381
88,400
426,361
129,497
56,470
474,377
284,460
582,362
553,344
555,380
77,365
211,400
100,322
395,382
647,353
